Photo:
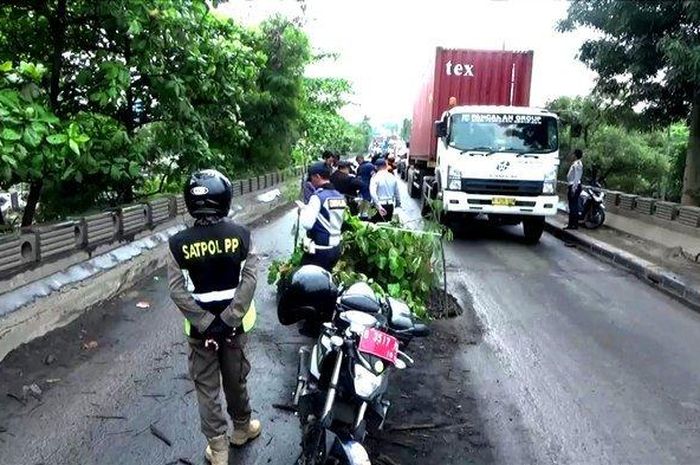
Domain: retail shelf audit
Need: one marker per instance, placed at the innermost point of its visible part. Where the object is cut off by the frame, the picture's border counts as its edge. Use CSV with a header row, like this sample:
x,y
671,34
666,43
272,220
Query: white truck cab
x,y
498,161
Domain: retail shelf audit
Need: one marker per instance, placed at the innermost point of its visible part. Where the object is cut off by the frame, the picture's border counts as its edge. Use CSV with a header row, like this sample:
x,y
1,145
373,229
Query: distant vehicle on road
x,y
476,145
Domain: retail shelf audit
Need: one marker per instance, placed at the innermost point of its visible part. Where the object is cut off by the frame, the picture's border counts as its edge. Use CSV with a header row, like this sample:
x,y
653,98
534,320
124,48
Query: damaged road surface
x,y
556,358
115,390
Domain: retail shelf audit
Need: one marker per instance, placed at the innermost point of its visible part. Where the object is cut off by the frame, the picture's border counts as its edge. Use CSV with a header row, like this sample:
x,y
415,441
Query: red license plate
x,y
379,344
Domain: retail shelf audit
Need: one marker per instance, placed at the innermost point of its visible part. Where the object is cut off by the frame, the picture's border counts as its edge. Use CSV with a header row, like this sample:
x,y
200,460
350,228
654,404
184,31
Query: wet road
x,y
138,373
579,364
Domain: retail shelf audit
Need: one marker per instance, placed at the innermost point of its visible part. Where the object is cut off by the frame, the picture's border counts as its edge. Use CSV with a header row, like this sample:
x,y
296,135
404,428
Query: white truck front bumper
x,y
461,202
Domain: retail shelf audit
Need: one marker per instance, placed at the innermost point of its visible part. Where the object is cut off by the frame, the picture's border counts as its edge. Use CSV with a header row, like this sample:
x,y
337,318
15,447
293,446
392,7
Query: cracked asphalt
x,y
558,359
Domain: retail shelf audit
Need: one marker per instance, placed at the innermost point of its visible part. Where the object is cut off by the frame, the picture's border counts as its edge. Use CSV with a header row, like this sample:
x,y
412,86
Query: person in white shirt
x,y
573,177
384,190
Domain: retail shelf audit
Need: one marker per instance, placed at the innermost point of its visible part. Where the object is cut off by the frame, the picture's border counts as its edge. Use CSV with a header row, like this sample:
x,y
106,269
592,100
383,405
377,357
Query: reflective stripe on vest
x,y
214,296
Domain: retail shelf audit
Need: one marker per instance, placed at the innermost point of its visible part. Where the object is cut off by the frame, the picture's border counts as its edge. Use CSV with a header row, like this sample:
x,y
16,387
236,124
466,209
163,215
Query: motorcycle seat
x,y
360,302
400,322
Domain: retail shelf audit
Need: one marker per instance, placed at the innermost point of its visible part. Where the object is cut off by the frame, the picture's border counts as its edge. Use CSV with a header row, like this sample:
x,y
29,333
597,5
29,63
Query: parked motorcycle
x,y
343,378
591,206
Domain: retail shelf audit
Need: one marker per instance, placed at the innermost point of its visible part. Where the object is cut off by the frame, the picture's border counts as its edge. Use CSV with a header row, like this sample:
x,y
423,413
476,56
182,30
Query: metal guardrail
x,y
40,243
673,215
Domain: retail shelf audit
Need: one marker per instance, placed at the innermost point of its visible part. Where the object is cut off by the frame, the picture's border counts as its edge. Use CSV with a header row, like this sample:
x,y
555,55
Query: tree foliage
x,y
322,125
134,90
647,55
619,151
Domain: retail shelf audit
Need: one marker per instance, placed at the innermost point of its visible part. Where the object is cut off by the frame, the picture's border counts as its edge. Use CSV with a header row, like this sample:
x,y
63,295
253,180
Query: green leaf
x,y
68,173
74,146
78,176
134,169
31,138
10,161
10,134
394,290
57,139
134,28
5,66
114,172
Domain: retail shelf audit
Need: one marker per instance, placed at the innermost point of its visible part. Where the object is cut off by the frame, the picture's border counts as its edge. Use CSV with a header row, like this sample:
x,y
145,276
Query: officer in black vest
x,y
212,279
322,217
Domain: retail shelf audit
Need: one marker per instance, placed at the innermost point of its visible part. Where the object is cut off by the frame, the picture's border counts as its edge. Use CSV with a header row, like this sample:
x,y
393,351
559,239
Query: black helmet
x,y
208,192
309,294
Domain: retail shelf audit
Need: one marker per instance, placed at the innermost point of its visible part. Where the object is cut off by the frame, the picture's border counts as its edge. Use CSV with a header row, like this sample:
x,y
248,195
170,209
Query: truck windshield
x,y
503,132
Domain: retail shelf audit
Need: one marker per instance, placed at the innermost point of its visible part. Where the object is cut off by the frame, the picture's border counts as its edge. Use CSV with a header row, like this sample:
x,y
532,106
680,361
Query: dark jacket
x,y
346,184
364,173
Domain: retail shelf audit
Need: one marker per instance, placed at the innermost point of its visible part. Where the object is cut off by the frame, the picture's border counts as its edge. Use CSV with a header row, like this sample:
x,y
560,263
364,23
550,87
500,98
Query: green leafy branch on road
x,y
401,263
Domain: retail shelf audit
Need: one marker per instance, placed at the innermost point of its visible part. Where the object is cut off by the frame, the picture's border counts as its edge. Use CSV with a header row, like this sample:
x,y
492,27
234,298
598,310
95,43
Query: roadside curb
x,y
652,274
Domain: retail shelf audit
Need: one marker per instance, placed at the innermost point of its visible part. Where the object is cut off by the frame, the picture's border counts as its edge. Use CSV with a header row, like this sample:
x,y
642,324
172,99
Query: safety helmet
x,y
309,294
208,193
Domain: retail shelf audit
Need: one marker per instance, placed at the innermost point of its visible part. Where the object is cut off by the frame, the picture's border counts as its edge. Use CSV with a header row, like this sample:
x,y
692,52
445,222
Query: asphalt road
x,y
579,363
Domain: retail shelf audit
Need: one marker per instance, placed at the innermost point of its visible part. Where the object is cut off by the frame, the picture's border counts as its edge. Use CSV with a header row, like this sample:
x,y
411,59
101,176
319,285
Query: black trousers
x,y
326,258
574,195
389,214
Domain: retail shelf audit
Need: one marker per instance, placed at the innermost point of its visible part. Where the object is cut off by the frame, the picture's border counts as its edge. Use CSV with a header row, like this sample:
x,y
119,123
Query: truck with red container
x,y
477,147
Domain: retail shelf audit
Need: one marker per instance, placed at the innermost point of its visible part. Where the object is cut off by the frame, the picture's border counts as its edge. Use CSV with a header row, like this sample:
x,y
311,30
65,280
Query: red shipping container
x,y
472,77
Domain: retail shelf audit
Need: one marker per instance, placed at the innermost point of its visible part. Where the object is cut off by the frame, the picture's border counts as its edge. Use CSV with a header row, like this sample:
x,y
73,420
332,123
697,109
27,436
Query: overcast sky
x,y
384,44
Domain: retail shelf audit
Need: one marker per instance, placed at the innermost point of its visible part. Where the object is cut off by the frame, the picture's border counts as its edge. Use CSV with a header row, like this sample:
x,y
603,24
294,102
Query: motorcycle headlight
x,y
454,179
550,182
366,383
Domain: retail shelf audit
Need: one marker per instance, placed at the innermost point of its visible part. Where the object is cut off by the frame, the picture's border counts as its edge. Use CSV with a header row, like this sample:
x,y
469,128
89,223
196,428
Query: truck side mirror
x,y
440,128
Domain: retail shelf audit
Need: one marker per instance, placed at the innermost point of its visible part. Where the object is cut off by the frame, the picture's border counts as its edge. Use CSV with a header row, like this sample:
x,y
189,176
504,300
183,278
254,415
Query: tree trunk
x,y
32,201
57,24
691,177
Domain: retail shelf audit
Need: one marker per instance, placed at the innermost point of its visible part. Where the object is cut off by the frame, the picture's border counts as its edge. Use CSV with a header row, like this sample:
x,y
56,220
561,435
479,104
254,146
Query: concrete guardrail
x,y
38,244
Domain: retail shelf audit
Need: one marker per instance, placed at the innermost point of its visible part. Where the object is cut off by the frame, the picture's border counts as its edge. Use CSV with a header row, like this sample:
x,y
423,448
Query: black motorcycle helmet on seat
x,y
309,294
208,193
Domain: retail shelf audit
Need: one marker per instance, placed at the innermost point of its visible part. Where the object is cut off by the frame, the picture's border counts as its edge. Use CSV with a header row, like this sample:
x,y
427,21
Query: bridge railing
x,y
670,215
33,246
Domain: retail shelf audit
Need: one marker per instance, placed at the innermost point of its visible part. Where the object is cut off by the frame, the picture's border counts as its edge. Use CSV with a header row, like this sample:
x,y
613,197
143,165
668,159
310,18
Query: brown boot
x,y
217,450
241,435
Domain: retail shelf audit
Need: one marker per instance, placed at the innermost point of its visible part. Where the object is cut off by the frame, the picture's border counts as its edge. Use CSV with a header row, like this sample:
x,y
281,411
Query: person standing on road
x,y
384,189
347,185
365,170
344,182
322,217
573,178
212,278
330,159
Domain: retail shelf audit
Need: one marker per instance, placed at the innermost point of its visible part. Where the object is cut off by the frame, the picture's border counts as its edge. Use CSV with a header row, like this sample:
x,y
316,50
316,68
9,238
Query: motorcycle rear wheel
x,y
595,217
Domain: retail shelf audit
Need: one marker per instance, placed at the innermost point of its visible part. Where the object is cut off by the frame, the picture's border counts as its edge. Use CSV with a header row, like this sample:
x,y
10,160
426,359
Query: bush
x,y
625,160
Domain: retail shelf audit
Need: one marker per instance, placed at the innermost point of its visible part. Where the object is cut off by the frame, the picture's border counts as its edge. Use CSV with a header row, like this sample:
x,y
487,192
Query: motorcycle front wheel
x,y
313,445
595,217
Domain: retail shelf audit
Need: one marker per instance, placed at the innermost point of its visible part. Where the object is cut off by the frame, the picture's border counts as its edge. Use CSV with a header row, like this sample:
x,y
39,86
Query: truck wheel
x,y
413,191
533,227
